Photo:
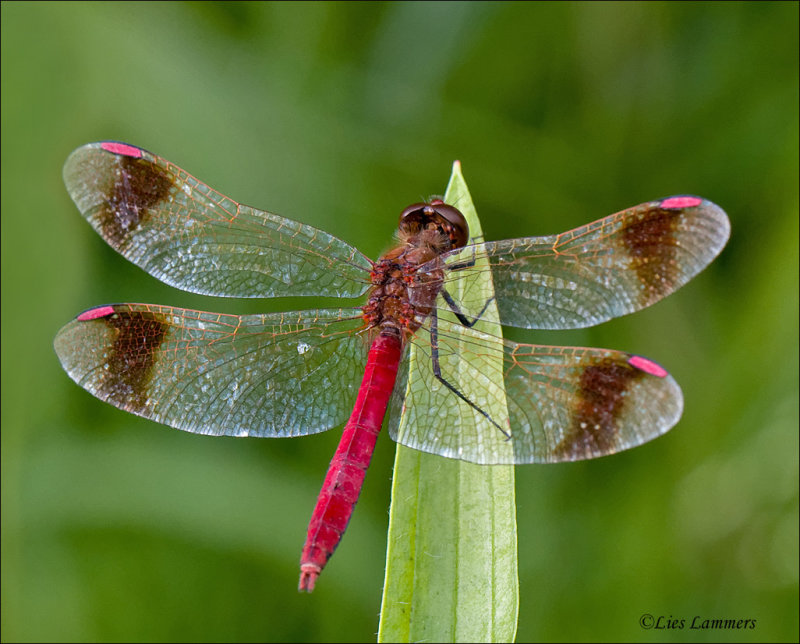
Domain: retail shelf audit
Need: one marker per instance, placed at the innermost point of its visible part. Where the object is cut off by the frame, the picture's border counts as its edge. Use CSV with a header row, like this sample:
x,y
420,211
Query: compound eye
x,y
457,227
415,209
447,218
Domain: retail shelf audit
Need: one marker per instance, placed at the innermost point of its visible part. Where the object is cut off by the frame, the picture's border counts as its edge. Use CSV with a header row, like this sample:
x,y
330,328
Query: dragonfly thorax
x,y
402,296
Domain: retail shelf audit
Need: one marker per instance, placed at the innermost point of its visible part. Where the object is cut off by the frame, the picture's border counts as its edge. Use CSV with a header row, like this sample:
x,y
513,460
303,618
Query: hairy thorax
x,y
402,297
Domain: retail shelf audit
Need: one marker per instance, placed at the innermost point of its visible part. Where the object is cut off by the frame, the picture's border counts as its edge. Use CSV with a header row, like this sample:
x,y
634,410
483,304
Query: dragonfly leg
x,y
437,371
457,309
466,263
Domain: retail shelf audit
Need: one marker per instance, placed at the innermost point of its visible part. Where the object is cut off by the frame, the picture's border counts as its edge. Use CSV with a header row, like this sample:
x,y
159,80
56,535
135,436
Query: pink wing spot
x,y
121,148
648,366
681,202
93,314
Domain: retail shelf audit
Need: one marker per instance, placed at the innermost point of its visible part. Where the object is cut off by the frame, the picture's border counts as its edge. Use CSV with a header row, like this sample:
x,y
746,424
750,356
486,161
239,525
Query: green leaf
x,y
451,570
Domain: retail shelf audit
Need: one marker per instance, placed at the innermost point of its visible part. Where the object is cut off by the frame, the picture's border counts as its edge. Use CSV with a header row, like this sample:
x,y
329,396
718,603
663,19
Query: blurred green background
x,y
339,115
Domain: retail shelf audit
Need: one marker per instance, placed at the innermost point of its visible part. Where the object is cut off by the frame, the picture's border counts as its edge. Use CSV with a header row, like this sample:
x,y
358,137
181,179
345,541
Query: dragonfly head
x,y
436,215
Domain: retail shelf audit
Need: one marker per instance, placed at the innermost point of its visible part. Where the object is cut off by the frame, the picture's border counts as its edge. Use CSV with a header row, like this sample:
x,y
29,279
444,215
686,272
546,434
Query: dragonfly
x,y
298,373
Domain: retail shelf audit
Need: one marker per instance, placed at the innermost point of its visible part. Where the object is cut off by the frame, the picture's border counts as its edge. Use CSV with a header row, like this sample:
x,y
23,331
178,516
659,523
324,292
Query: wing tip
x,y
120,148
706,207
95,313
648,366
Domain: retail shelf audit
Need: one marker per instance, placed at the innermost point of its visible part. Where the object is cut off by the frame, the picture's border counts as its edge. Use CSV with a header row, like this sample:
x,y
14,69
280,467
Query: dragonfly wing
x,y
434,418
274,375
573,403
188,235
561,403
608,268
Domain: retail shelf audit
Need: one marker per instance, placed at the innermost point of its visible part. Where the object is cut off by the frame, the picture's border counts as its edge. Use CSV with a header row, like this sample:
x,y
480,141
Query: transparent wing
x,y
188,235
563,403
275,375
611,267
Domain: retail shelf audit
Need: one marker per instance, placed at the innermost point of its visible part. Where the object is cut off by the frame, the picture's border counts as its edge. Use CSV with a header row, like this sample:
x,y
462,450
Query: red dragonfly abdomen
x,y
349,464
